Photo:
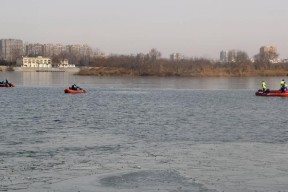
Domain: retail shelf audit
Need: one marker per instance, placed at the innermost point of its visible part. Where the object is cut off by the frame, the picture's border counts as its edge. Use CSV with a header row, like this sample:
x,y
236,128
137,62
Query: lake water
x,y
134,134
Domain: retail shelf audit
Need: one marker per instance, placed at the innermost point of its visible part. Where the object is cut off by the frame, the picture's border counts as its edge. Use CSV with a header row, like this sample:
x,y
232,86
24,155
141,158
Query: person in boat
x,y
283,86
74,87
264,88
7,84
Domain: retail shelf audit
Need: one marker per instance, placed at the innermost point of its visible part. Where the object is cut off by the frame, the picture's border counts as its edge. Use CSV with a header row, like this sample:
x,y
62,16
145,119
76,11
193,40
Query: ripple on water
x,y
150,180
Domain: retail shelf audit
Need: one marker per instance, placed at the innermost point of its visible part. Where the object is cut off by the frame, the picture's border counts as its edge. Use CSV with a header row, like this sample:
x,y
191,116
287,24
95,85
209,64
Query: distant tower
x,y
224,56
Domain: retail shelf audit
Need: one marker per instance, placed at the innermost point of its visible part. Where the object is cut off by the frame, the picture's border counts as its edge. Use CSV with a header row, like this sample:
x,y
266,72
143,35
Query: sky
x,y
193,28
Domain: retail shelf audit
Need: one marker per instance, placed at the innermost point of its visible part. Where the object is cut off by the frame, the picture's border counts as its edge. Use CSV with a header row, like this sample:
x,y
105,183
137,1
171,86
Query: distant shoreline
x,y
219,72
37,69
118,71
4,68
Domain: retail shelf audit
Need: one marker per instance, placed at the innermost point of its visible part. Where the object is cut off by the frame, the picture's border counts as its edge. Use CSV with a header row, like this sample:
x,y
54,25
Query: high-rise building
x,y
34,49
267,50
224,56
228,56
48,50
10,49
269,54
54,49
80,50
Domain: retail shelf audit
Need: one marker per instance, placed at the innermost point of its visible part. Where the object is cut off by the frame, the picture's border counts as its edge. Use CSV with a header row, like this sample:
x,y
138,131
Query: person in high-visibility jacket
x,y
283,86
282,83
264,88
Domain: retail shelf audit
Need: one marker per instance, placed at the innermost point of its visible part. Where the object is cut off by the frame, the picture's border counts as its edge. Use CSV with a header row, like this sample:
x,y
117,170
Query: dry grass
x,y
106,71
217,72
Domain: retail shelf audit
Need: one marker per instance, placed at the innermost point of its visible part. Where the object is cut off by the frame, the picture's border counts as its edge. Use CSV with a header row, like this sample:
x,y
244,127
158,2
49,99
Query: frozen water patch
x,y
158,180
175,167
139,181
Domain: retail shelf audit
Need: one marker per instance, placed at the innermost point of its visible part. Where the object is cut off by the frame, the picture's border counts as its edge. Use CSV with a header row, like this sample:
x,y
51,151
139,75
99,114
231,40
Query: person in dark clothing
x,y
74,87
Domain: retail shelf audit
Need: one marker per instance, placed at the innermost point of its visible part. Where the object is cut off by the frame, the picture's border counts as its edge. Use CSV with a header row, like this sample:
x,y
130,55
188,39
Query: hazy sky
x,y
194,28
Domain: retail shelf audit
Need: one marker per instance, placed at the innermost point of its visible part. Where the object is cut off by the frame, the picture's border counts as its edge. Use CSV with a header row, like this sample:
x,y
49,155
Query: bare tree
x,y
242,57
154,54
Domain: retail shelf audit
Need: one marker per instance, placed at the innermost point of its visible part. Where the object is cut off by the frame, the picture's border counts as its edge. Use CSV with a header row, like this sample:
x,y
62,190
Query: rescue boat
x,y
73,91
272,93
7,85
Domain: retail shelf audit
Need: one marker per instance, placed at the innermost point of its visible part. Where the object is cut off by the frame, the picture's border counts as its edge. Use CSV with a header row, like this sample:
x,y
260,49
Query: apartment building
x,y
269,53
81,50
10,49
267,50
48,50
34,49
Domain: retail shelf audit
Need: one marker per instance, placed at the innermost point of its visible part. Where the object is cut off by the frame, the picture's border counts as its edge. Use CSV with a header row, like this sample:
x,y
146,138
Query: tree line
x,y
151,64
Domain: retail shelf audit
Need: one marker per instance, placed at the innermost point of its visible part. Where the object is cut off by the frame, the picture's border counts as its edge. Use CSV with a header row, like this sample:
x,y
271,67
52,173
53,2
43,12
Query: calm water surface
x,y
141,134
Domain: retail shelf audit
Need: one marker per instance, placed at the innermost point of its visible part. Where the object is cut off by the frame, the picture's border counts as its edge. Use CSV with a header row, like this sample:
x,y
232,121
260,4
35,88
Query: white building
x,y
176,57
34,62
64,63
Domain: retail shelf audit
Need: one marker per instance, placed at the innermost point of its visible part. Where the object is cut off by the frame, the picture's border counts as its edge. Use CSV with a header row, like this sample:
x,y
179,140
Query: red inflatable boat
x,y
69,90
272,93
7,85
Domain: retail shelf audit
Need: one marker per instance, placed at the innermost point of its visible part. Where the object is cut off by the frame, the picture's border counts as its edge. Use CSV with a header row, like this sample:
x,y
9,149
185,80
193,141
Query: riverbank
x,y
217,72
37,69
5,68
161,72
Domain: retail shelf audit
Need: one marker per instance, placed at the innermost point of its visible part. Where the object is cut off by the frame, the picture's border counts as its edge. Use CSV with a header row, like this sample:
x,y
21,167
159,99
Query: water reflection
x,y
210,83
